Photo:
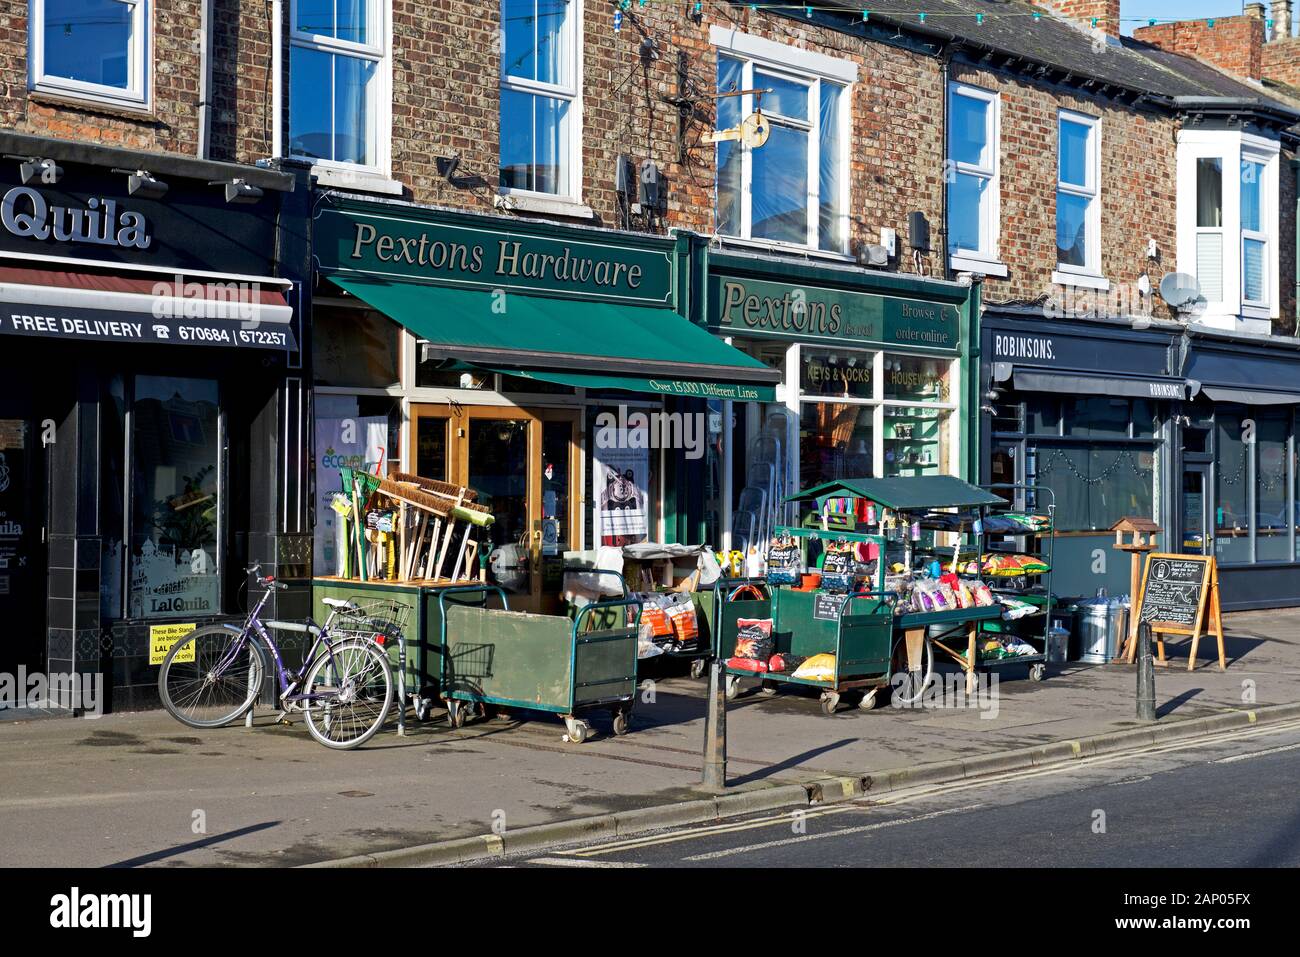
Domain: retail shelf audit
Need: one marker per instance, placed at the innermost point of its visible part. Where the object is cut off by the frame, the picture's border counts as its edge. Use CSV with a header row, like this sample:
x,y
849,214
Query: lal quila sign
x,y
418,245
839,316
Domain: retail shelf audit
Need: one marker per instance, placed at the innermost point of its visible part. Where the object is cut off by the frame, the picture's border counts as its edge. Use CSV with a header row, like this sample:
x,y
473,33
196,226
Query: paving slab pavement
x,y
141,789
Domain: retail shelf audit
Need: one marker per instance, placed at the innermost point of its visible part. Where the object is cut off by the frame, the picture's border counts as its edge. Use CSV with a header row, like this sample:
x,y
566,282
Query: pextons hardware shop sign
x,y
840,316
413,244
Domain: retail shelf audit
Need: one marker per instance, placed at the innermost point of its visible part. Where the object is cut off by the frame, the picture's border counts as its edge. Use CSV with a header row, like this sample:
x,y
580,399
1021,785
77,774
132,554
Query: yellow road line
x,y
909,795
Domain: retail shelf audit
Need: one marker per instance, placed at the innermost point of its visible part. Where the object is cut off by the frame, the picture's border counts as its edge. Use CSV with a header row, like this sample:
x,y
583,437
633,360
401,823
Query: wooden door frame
x,y
459,417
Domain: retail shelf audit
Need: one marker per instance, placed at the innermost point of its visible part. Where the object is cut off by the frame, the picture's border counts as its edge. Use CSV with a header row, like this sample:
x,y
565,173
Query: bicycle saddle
x,y
340,603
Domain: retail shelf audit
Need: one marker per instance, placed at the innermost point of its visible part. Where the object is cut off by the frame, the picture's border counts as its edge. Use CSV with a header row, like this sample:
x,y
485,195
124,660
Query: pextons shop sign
x,y
839,316
413,244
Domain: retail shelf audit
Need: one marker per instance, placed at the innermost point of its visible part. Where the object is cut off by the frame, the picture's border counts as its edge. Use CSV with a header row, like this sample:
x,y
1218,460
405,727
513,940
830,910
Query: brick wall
x,y
1233,44
446,89
169,125
1137,186
1281,61
1106,11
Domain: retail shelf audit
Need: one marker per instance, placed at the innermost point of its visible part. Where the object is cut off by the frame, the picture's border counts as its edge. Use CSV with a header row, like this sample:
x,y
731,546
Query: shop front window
x,y
176,503
838,374
916,441
352,431
913,379
1272,525
835,442
1095,484
356,348
1231,514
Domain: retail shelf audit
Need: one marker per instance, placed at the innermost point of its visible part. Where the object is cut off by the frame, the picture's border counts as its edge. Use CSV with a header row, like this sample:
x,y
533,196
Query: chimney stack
x,y
1281,20
1234,44
1106,13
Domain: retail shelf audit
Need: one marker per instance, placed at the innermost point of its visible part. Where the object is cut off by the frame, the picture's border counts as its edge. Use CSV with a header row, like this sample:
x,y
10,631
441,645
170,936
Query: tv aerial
x,y
752,131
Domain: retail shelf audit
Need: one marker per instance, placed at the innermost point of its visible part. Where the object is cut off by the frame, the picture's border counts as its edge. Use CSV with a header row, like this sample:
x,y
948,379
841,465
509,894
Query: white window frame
x,y
1232,148
380,100
135,96
1266,201
807,68
985,259
571,187
1066,273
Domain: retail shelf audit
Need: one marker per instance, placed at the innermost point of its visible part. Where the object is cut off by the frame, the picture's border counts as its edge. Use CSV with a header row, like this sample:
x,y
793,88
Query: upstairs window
x,y
1228,221
1078,188
93,49
539,93
972,173
794,188
1254,238
338,114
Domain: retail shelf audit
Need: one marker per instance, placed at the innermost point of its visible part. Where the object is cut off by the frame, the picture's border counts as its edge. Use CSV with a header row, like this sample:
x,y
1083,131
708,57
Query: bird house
x,y
1141,534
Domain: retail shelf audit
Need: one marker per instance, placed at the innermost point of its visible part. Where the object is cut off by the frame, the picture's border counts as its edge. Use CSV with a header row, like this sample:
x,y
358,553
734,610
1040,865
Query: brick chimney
x,y
1106,12
1234,44
1281,59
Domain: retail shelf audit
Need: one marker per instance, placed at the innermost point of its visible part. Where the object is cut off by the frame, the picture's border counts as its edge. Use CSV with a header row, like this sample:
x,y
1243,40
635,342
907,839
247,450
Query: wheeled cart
x,y
495,657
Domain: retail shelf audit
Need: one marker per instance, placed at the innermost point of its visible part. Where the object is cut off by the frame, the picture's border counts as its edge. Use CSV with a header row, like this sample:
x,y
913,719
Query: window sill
x,y
548,205
984,267
127,109
1084,280
360,180
791,249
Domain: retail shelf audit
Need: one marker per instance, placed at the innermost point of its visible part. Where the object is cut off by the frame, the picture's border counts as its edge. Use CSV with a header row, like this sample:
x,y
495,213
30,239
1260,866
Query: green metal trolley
x,y
495,657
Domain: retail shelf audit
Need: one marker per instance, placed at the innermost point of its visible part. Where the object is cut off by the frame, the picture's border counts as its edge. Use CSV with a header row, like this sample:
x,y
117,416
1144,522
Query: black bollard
x,y
715,729
1146,675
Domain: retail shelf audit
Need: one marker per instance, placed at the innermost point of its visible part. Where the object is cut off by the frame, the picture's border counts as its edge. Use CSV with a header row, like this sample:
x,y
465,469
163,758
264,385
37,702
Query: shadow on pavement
x,y
194,845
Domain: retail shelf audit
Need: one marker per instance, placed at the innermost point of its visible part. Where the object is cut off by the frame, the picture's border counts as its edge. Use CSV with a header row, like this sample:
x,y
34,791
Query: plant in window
x,y
182,519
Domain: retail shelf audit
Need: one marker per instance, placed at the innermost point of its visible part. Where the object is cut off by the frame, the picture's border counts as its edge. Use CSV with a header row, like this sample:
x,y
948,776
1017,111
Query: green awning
x,y
688,388
600,341
904,494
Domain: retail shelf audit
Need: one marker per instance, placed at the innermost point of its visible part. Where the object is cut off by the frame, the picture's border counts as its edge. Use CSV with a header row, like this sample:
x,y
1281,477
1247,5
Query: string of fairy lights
x,y
919,16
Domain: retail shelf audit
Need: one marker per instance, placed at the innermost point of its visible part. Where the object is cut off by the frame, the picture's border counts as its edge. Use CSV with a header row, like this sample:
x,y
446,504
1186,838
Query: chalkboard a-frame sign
x,y
1180,596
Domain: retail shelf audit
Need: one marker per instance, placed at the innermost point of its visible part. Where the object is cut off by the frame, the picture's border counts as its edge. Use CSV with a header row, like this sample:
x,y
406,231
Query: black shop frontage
x,y
1239,469
1087,409
152,420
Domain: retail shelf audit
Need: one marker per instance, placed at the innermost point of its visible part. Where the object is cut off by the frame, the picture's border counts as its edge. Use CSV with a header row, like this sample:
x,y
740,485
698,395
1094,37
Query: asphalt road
x,y
1232,801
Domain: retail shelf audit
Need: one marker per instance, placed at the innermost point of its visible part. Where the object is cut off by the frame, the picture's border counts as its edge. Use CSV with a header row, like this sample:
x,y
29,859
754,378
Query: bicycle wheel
x,y
910,685
211,676
348,693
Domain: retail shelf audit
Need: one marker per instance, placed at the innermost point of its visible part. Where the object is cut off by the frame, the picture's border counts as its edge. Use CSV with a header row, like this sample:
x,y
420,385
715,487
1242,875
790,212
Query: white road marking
x,y
842,832
579,862
1256,754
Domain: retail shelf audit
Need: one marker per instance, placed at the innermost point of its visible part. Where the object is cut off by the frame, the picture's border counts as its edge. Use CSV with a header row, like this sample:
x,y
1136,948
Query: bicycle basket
x,y
380,621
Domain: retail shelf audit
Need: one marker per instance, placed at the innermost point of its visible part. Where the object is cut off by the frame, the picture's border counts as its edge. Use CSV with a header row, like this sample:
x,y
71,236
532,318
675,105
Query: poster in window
x,y
620,483
355,442
176,506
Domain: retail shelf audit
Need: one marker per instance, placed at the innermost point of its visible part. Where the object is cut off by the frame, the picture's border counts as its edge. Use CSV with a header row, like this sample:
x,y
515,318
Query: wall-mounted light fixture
x,y
34,169
239,190
143,184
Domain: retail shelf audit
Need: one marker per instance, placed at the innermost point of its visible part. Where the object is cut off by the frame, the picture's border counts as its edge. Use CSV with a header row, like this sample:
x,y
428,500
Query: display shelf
x,y
1039,543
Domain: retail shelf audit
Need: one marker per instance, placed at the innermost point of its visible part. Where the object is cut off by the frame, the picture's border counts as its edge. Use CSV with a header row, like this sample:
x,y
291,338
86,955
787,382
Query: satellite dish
x,y
875,255
754,130
1179,289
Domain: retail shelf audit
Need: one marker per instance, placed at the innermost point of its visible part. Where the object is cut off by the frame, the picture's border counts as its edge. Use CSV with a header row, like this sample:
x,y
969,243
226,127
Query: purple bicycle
x,y
344,689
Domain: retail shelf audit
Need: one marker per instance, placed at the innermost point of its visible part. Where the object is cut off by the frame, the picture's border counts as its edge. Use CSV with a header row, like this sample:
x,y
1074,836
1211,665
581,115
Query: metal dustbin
x,y
1058,644
1101,624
